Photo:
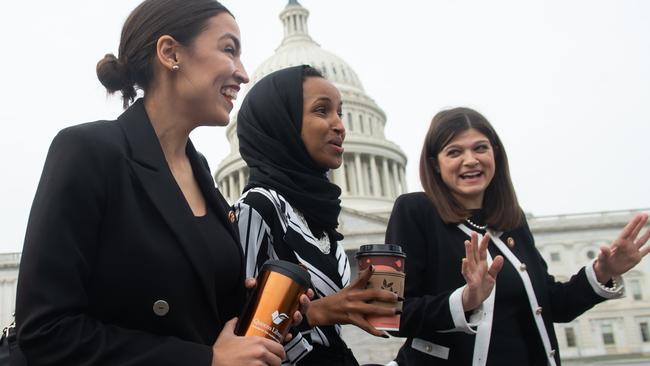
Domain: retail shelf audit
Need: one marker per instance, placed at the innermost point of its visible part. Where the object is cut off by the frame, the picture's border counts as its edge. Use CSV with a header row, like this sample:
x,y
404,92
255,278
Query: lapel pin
x,y
231,216
511,242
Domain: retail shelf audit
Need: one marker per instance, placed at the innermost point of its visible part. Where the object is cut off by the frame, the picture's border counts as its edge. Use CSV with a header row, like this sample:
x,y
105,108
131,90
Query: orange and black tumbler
x,y
270,308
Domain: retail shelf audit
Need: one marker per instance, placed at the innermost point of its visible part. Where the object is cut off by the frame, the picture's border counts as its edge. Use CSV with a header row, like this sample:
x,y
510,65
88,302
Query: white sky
x,y
565,83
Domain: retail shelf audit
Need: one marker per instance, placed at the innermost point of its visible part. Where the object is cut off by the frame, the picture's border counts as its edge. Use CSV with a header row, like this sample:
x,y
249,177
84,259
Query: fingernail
x,y
371,268
399,298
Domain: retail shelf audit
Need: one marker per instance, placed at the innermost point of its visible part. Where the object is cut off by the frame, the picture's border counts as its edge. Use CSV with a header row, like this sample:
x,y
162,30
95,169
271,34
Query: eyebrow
x,y
234,38
475,143
325,99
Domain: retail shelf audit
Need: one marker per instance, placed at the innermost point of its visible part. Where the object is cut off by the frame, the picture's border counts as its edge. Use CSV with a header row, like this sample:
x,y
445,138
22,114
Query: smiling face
x,y
467,167
210,71
322,128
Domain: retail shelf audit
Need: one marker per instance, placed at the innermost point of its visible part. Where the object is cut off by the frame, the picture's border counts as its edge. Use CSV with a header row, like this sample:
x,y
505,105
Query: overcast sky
x,y
565,83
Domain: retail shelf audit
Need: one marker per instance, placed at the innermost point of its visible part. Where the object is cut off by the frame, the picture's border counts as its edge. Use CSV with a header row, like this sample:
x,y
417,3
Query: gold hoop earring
x,y
175,67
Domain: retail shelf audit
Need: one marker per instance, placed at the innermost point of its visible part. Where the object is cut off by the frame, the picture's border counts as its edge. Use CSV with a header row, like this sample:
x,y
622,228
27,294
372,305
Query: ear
x,y
166,52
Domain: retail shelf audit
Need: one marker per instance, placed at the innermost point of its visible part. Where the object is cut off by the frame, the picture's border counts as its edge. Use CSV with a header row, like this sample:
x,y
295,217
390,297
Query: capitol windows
x,y
555,256
348,122
607,332
570,336
645,332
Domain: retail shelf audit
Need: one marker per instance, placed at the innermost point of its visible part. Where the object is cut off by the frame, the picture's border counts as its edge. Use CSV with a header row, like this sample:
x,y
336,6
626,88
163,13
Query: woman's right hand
x,y
351,306
233,350
480,279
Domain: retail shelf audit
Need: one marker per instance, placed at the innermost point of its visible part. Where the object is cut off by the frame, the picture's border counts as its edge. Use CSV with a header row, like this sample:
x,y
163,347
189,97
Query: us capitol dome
x,y
373,172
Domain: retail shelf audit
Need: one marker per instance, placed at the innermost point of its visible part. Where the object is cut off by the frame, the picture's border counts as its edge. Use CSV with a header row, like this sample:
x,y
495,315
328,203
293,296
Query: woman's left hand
x,y
305,300
625,252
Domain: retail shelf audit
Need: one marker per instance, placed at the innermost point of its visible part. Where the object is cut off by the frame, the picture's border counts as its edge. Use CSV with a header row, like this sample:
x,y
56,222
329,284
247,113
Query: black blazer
x,y
433,271
110,234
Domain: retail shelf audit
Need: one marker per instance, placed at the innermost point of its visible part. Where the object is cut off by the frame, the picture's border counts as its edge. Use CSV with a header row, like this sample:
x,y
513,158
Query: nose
x,y
338,126
240,73
469,159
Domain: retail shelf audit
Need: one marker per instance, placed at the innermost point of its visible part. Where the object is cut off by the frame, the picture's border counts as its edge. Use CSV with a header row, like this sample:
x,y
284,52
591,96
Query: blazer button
x,y
522,267
161,307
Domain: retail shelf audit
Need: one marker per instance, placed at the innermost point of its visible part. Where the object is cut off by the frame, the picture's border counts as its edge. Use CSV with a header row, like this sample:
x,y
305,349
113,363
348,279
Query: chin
x,y
336,164
220,121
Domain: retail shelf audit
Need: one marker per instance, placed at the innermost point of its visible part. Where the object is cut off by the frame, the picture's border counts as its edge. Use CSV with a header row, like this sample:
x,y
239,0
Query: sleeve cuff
x,y
614,292
296,349
458,314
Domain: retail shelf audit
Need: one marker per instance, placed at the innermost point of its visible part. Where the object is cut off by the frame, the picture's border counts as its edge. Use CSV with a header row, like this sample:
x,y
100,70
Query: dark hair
x,y
499,202
310,72
181,19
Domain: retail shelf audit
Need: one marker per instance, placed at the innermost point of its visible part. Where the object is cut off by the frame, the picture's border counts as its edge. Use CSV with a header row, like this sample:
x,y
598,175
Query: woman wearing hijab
x,y
290,134
493,303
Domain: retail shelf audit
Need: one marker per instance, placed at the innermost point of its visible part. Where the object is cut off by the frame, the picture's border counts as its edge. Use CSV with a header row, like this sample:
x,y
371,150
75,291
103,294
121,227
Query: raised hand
x,y
233,350
480,279
625,251
350,306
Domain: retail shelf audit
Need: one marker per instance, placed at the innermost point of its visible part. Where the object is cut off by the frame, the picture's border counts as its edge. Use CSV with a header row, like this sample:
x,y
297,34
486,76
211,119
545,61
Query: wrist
x,y
602,276
467,306
312,316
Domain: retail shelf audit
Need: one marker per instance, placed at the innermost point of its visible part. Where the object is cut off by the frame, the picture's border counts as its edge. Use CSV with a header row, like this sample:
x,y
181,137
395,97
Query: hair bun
x,y
112,74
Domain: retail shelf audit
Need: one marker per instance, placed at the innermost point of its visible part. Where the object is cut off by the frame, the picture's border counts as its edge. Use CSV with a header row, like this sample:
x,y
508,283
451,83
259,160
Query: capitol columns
x,y
339,177
231,188
385,180
398,191
374,173
361,191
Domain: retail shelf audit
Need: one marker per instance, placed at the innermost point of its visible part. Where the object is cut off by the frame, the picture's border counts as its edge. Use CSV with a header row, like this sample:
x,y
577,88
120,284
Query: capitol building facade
x,y
373,175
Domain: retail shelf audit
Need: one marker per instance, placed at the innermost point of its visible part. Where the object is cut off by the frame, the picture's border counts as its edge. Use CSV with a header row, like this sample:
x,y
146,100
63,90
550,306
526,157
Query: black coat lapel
x,y
212,195
151,169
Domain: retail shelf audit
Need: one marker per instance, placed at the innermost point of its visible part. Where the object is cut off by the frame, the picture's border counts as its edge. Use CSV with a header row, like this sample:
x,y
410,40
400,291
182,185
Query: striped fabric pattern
x,y
263,231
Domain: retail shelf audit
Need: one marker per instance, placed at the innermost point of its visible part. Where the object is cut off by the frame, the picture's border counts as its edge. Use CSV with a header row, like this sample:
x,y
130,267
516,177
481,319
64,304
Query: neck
x,y
170,123
474,203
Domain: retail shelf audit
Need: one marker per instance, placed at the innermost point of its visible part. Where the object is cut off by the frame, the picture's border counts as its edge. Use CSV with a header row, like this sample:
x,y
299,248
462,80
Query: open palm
x,y
479,277
625,252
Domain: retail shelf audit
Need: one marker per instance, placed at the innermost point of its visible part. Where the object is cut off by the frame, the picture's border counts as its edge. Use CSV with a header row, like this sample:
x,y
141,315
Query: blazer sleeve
x,y
63,234
570,299
425,308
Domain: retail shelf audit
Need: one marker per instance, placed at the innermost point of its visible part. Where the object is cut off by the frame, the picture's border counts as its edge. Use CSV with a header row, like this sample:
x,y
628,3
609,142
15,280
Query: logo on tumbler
x,y
279,317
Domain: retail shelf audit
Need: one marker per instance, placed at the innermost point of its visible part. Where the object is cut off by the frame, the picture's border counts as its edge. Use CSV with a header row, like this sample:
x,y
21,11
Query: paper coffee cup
x,y
388,262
